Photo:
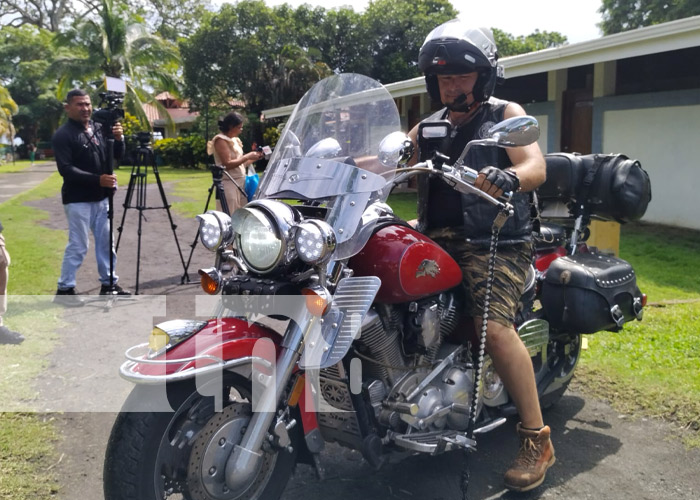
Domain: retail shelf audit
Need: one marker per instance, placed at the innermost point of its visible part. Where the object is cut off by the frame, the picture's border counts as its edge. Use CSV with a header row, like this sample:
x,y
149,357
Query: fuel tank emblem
x,y
428,268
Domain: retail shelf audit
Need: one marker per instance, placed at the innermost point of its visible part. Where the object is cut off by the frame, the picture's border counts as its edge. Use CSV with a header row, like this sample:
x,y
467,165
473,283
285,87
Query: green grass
x,y
403,204
26,449
36,251
189,192
27,457
666,260
17,166
652,368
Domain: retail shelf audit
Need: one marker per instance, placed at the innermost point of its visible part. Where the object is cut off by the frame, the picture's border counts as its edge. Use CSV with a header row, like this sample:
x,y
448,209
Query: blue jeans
x,y
82,218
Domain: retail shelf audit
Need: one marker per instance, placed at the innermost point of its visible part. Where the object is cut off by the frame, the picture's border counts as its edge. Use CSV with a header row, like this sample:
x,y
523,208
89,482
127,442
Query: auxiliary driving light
x,y
314,241
215,229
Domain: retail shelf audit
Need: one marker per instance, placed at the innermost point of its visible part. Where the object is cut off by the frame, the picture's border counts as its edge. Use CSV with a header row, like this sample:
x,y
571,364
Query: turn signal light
x,y
210,280
644,300
316,300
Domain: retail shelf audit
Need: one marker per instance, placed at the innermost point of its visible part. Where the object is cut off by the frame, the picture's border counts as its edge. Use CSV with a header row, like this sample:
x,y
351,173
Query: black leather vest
x,y
477,215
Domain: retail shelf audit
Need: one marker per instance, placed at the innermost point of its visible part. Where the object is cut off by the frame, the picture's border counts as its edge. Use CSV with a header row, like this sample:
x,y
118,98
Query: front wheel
x,y
181,454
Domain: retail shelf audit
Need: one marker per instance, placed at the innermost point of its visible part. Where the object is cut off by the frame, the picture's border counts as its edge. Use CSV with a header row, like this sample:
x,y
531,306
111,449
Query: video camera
x,y
143,138
110,111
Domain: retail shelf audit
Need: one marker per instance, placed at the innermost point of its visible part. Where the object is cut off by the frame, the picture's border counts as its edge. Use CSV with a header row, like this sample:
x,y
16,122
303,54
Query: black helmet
x,y
452,49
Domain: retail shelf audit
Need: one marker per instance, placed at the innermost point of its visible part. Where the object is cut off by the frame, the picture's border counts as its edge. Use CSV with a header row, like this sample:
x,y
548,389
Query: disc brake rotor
x,y
207,467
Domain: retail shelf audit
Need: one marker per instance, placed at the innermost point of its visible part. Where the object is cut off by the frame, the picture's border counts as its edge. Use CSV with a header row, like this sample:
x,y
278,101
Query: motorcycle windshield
x,y
329,151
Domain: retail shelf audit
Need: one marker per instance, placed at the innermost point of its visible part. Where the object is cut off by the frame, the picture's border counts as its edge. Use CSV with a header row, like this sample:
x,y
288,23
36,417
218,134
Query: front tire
x,y
155,455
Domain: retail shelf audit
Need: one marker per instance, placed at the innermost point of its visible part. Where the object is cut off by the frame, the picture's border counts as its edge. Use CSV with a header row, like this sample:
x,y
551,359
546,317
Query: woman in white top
x,y
227,149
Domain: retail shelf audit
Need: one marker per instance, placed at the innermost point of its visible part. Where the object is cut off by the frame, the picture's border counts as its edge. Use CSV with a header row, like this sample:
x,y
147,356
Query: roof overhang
x,y
674,35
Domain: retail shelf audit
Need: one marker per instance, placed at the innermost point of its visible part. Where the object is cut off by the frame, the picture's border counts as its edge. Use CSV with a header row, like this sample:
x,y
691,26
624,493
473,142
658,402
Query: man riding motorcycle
x,y
461,72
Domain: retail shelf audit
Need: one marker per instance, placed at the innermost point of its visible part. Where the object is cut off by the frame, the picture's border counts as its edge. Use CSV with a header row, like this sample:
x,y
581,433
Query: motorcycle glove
x,y
505,180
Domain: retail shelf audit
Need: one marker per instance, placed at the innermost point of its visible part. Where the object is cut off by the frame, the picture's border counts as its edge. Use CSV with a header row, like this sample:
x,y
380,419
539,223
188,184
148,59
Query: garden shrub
x,y
182,152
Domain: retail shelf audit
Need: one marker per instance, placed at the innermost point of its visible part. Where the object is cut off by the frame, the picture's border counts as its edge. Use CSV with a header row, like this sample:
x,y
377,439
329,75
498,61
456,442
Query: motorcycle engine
x,y
397,341
453,386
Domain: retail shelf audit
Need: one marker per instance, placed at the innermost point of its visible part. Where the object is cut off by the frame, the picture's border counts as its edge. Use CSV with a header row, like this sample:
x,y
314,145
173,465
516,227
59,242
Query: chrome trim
x,y
534,334
490,426
341,325
434,442
126,370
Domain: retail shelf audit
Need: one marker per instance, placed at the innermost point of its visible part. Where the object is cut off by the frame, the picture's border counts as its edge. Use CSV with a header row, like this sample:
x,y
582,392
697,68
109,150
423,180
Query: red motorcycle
x,y
343,323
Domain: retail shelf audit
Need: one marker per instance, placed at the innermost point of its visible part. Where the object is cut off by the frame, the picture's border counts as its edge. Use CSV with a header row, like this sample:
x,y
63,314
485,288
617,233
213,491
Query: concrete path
x,y
14,183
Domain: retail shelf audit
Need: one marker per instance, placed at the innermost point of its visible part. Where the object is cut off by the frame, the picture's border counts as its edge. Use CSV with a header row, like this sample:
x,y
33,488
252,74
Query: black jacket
x,y
469,215
81,157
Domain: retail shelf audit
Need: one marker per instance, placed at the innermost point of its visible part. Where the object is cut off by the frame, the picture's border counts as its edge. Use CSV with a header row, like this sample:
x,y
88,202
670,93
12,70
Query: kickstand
x,y
320,469
464,480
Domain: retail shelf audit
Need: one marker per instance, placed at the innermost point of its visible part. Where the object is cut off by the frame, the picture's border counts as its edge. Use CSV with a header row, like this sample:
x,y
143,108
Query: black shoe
x,y
113,290
7,336
68,298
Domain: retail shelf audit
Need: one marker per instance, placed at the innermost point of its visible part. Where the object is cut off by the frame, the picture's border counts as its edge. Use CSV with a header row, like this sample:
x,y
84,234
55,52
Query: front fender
x,y
225,343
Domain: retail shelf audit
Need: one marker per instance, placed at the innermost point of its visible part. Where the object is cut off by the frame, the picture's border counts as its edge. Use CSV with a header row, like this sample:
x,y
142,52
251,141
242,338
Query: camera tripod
x,y
217,174
138,184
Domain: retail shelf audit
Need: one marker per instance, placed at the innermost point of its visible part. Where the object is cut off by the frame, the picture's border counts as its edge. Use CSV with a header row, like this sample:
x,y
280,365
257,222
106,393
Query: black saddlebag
x,y
587,293
611,186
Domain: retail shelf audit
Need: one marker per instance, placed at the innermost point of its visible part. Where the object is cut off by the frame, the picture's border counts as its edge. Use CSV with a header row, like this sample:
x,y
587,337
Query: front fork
x,y
242,464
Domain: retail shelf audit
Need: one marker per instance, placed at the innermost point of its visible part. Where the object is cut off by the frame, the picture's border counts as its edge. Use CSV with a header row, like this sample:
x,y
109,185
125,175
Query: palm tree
x,y
291,72
119,45
8,108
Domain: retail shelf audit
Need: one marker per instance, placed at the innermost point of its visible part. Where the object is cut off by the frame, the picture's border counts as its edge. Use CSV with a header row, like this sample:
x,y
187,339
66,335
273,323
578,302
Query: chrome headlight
x,y
314,241
215,230
263,231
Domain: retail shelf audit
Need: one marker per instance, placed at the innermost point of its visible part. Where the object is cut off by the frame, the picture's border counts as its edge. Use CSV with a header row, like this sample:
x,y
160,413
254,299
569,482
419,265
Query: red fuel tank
x,y
409,264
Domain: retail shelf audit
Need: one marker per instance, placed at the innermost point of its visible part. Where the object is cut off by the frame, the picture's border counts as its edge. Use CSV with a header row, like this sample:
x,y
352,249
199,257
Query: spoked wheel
x,y
563,353
182,454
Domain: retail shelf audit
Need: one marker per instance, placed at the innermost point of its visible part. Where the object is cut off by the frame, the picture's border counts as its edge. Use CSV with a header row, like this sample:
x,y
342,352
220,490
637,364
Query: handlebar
x,y
462,178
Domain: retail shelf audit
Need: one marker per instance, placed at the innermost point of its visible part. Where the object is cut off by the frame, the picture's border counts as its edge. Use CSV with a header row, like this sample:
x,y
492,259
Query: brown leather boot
x,y
536,455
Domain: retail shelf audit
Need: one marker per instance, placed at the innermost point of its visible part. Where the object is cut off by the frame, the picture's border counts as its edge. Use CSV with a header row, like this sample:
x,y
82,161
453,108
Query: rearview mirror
x,y
510,133
395,149
515,132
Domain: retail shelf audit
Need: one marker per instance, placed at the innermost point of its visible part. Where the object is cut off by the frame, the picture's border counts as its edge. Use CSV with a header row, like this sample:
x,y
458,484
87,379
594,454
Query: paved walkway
x,y
14,183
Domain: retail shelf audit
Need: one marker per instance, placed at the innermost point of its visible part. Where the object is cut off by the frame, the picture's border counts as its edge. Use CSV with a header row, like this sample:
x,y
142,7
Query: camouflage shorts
x,y
512,264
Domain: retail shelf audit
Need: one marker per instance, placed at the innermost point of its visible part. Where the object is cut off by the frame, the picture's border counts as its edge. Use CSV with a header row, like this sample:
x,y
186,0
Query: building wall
x,y
661,131
545,114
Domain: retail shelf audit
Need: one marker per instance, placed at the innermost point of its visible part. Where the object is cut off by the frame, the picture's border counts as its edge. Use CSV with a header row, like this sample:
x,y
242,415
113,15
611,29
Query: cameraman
x,y
80,148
